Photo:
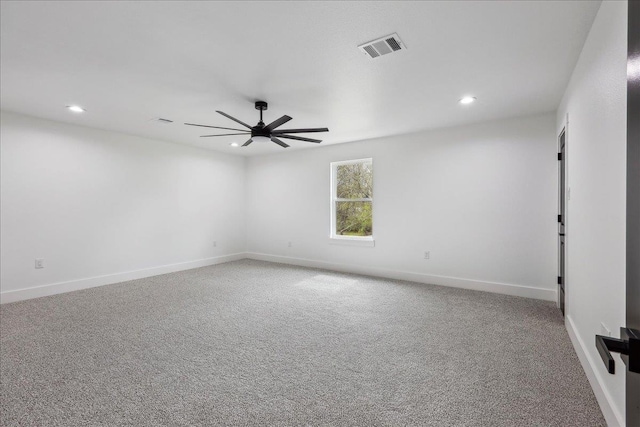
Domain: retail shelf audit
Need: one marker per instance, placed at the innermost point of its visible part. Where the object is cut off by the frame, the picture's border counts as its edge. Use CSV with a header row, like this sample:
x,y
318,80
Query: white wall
x,y
482,199
596,153
100,206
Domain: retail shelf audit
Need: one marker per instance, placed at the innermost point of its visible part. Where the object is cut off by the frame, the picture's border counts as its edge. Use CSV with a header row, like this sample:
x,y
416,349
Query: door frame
x,y
563,130
632,383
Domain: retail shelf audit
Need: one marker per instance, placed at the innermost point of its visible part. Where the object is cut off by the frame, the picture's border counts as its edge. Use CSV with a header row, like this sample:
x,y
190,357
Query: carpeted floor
x,y
254,343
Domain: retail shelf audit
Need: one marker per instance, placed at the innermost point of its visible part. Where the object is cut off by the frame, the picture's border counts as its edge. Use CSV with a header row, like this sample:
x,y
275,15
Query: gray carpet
x,y
254,343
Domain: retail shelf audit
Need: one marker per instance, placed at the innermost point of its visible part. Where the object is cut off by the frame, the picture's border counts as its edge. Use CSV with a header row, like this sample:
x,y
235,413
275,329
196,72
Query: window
x,y
352,200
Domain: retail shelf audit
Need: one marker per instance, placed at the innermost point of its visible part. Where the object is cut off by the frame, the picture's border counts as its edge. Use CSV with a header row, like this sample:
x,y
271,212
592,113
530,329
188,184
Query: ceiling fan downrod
x,y
262,106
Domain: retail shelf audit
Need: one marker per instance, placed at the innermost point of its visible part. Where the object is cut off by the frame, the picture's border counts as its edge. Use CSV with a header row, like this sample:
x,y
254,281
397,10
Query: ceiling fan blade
x,y
224,134
234,119
215,127
248,142
301,130
282,120
299,138
280,143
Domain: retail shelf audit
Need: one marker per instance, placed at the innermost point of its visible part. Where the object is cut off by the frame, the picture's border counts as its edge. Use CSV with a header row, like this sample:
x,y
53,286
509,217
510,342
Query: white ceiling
x,y
128,62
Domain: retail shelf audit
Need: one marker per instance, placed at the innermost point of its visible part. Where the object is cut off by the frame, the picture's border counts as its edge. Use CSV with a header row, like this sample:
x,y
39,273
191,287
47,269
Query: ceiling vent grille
x,y
382,46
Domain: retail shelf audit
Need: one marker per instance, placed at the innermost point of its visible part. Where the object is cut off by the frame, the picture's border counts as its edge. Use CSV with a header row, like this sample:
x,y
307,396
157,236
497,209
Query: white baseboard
x,y
91,282
610,411
74,285
455,282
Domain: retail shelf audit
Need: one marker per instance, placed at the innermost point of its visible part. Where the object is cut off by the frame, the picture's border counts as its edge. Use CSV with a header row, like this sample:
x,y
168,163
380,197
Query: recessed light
x,y
76,109
234,144
467,100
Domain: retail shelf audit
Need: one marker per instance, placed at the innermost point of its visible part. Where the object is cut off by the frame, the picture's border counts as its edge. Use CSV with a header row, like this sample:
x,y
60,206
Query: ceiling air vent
x,y
382,46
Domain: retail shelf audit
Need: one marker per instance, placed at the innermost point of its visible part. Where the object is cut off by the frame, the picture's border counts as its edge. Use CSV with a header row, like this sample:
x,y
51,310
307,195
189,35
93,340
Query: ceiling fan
x,y
262,132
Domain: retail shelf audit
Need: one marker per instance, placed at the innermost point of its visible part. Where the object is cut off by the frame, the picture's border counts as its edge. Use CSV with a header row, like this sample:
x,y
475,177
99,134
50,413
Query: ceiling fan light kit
x,y
262,132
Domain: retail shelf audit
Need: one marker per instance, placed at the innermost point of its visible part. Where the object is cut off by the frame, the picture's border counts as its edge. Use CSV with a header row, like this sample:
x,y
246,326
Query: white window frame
x,y
336,239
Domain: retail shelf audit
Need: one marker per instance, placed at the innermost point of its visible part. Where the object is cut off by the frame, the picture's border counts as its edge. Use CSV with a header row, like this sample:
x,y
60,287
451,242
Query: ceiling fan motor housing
x,y
260,130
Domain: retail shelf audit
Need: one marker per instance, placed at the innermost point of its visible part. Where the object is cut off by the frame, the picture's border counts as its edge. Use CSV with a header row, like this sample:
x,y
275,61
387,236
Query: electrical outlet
x,y
215,243
289,245
39,262
427,255
604,331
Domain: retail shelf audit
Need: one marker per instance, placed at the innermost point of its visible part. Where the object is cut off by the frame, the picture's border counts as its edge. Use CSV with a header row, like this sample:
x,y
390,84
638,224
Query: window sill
x,y
366,242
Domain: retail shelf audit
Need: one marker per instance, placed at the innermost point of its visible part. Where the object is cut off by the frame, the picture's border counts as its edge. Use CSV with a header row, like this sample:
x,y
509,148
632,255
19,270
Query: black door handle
x,y
628,345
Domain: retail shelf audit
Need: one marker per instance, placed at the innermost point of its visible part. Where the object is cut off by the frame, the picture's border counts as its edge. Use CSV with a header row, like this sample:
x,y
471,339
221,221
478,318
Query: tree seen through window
x,y
353,199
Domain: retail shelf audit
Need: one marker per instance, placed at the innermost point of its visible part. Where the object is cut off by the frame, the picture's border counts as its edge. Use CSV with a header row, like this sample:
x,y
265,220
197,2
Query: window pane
x,y
353,219
354,181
